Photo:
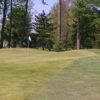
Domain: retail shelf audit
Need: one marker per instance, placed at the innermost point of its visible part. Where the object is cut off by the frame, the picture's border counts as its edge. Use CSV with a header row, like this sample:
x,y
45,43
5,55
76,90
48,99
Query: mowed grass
x,y
97,51
78,81
29,74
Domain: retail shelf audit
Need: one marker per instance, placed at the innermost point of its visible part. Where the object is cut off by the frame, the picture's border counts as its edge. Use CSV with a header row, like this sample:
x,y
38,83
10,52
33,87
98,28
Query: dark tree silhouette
x,y
3,22
10,23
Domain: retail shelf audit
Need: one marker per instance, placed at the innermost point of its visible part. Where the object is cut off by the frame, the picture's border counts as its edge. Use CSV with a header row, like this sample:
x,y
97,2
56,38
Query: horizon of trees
x,y
67,26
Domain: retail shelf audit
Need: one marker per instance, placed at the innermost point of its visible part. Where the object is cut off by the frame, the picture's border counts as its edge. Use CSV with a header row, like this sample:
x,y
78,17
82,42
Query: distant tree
x,y
66,21
18,35
83,24
44,28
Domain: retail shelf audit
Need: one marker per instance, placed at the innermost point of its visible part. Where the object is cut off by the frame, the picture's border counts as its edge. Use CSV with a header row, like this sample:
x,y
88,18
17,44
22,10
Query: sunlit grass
x,y
20,81
97,51
23,72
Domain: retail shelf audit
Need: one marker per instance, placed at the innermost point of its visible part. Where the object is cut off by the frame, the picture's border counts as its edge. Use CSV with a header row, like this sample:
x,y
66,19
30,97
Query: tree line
x,y
16,22
71,24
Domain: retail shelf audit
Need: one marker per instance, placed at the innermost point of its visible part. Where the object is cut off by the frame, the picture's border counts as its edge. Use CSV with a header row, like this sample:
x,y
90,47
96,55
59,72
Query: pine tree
x,y
44,28
83,25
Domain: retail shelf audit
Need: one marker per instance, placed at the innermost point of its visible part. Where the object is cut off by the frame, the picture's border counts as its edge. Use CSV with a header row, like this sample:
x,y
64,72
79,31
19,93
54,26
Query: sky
x,y
38,6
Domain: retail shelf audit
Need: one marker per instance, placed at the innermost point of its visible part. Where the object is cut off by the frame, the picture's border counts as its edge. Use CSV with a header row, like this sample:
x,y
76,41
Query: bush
x,y
59,46
98,44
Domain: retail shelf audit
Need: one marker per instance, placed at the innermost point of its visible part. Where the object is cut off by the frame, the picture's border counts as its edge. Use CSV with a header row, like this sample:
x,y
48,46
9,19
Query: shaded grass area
x,y
79,81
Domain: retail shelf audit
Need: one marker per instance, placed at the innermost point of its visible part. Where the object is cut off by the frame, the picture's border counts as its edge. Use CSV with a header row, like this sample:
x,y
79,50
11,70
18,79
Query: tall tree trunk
x,y
26,7
3,22
59,21
26,18
10,24
78,34
25,21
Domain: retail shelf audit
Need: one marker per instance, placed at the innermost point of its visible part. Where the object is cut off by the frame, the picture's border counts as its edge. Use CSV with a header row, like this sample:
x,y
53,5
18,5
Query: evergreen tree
x,y
44,28
84,19
19,36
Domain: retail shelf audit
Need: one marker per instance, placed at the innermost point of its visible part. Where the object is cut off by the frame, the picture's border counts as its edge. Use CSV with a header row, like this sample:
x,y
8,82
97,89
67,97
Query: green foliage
x,y
63,45
66,24
89,23
59,46
44,28
20,27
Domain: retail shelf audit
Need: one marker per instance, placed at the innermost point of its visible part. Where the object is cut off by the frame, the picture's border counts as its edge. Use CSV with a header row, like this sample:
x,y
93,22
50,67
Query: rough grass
x,y
29,74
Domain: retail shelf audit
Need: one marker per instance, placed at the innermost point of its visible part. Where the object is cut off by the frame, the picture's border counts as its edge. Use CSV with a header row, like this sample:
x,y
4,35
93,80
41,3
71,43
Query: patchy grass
x,y
25,73
78,81
20,81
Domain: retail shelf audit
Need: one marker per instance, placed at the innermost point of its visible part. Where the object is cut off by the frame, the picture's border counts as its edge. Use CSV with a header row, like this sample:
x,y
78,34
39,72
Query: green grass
x,y
21,81
97,51
29,74
78,81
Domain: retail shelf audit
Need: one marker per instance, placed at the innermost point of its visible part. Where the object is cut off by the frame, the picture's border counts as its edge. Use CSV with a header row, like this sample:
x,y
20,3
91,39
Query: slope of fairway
x,y
24,73
96,51
79,81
